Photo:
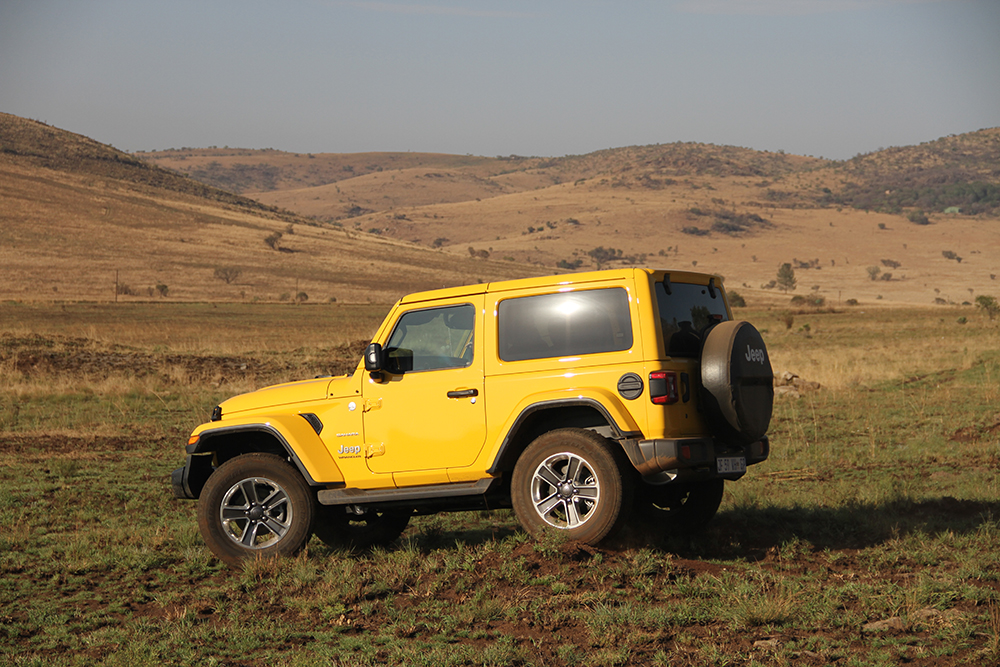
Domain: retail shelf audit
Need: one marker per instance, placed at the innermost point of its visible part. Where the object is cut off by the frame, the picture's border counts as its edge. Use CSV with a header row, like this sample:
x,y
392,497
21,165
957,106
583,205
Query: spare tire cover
x,y
737,381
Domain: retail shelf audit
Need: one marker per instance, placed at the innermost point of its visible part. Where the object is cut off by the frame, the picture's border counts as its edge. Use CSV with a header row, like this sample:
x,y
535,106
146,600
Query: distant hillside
x,y
741,212
31,143
83,221
961,172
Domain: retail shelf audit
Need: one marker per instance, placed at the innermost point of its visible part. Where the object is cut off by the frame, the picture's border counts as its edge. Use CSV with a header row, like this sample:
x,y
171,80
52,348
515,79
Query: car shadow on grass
x,y
752,532
746,533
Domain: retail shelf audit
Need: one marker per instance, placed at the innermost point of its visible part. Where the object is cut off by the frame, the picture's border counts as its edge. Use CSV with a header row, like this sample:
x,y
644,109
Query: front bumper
x,y
189,480
690,455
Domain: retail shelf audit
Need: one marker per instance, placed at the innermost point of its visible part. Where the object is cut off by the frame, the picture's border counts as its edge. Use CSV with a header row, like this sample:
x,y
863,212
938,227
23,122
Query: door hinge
x,y
374,450
372,404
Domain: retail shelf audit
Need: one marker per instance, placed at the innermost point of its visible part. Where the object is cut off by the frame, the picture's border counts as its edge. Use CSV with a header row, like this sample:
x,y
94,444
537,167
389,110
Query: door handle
x,y
463,393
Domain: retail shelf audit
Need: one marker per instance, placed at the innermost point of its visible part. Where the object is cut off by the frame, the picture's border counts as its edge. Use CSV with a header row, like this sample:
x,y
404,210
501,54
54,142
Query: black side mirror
x,y
373,357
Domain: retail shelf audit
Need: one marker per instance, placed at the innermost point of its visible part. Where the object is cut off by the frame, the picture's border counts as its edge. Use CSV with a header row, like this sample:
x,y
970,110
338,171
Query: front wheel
x,y
255,505
572,480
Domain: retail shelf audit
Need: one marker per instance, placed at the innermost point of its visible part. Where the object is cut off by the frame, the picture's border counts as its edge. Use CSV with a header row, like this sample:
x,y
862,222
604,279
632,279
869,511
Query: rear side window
x,y
685,314
564,324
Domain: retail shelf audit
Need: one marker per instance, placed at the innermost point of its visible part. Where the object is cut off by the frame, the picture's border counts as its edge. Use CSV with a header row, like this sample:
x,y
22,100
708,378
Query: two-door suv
x,y
578,400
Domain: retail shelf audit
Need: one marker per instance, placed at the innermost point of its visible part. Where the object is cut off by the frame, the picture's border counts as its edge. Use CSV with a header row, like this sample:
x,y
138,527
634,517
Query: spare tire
x,y
737,382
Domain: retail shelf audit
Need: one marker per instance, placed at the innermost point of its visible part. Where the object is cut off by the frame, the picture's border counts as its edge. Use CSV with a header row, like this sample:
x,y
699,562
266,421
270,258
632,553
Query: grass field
x,y
868,538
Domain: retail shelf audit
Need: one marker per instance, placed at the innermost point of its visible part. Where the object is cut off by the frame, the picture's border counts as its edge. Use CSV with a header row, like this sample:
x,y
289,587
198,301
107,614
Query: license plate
x,y
730,464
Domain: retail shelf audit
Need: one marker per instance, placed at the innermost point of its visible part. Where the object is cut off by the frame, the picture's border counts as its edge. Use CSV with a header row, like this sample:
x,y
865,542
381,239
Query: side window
x,y
432,338
685,313
564,324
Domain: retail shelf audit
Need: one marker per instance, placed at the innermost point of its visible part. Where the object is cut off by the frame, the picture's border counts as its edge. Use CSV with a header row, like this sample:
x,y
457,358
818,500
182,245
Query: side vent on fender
x,y
313,421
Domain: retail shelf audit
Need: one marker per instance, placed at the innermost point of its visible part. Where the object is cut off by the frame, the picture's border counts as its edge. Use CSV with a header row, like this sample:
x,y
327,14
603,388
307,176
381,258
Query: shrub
x,y
988,305
736,300
950,254
272,240
918,218
873,272
574,264
162,289
852,302
602,255
301,297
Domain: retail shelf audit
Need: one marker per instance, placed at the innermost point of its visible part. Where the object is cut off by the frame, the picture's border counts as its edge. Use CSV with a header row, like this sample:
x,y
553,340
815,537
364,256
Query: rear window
x,y
685,313
564,324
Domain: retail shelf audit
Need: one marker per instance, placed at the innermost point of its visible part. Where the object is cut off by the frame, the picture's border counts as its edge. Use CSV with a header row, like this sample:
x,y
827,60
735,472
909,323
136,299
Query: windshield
x,y
685,314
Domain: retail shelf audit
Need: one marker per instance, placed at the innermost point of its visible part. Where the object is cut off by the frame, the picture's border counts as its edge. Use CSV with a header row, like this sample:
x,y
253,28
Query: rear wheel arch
x,y
540,418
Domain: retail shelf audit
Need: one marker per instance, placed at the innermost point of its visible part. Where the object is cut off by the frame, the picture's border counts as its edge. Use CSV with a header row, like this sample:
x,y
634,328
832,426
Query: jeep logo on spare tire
x,y
737,380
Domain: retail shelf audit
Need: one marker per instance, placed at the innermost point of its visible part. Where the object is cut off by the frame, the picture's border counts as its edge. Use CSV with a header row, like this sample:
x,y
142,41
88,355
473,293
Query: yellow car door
x,y
427,411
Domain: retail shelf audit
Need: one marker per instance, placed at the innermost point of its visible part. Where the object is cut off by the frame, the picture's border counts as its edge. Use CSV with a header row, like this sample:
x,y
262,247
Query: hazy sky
x,y
830,78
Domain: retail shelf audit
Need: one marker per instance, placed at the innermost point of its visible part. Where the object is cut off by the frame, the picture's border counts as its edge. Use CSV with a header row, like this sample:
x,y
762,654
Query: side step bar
x,y
428,492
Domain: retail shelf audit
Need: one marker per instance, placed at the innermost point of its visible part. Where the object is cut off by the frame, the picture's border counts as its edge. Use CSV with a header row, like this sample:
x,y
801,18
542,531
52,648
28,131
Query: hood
x,y
278,395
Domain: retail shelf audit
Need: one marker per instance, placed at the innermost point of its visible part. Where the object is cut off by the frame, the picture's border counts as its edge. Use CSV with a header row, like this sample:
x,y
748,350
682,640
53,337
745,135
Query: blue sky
x,y
829,78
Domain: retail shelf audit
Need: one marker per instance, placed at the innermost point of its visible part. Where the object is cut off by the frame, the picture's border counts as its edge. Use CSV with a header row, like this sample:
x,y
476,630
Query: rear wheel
x,y
572,480
339,527
255,506
681,508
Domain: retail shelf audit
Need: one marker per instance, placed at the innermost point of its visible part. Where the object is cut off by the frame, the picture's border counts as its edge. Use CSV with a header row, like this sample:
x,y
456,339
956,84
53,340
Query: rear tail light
x,y
663,387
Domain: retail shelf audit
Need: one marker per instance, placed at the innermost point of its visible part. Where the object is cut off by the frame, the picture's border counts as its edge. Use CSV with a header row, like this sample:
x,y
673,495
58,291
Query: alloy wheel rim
x,y
256,513
564,490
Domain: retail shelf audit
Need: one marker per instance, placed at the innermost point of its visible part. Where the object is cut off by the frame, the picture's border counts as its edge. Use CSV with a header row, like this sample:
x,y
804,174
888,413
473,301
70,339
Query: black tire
x,y
573,480
255,506
738,382
682,509
340,528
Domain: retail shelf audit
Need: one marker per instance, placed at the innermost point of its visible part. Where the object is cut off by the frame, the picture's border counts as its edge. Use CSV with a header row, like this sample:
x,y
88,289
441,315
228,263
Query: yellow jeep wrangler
x,y
578,400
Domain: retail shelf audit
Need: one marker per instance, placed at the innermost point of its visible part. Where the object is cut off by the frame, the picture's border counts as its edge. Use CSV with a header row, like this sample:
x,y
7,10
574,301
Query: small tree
x,y
227,274
162,289
786,277
988,305
873,272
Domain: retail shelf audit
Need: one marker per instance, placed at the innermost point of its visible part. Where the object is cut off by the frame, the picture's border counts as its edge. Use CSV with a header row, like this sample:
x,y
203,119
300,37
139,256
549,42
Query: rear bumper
x,y
693,455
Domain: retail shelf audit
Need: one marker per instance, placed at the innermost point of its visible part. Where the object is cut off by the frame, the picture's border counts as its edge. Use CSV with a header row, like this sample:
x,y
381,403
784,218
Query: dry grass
x,y
863,346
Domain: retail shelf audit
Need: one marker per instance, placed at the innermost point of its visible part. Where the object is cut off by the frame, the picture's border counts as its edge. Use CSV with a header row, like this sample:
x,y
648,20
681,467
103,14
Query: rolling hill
x,y
903,225
900,215
81,221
